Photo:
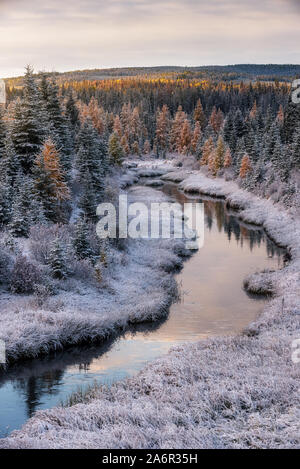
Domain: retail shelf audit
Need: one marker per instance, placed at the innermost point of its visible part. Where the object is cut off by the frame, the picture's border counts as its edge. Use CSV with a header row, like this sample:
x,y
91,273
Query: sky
x,y
65,35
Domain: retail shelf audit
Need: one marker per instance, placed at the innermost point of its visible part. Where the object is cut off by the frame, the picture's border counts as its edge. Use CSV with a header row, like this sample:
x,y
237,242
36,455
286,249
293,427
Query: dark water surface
x,y
213,303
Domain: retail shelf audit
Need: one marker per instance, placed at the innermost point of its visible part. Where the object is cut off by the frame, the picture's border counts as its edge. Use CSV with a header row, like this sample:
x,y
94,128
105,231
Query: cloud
x,y
106,33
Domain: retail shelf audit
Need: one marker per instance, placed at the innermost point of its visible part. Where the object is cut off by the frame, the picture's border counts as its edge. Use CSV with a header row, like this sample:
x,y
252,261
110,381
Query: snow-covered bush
x,y
24,276
42,236
5,265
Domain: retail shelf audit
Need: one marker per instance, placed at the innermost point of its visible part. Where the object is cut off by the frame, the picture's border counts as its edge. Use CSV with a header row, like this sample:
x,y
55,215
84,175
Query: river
x,y
213,302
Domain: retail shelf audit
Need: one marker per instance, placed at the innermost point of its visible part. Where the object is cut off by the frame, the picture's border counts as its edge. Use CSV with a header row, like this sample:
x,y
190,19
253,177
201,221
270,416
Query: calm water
x,y
213,303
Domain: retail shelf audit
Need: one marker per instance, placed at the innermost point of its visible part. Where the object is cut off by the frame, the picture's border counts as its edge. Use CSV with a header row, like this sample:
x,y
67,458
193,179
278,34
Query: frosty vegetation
x,y
233,392
61,153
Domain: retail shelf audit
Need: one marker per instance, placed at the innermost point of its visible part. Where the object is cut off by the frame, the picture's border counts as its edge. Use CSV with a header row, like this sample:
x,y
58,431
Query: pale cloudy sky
x,y
74,34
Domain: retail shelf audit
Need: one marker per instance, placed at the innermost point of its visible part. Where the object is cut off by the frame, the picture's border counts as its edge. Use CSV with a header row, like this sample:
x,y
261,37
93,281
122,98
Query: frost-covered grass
x,y
137,286
231,392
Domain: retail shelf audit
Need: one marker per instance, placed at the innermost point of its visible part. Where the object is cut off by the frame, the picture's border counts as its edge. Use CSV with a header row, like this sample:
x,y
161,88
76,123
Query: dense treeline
x,y
52,132
44,152
250,131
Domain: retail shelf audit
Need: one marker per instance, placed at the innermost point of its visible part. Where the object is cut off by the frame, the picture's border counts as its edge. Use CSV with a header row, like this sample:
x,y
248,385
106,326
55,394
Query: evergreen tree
x,y
245,166
199,115
220,154
2,133
27,133
91,156
72,112
19,224
162,131
81,243
295,153
239,124
291,120
57,261
87,202
57,123
4,205
50,188
115,149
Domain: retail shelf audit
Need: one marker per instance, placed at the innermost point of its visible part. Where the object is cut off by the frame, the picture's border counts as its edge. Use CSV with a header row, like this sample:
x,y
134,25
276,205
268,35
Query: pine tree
x,y
162,131
9,164
196,138
72,112
19,224
50,188
245,166
207,150
228,131
57,261
2,133
96,116
51,162
271,139
27,133
125,145
185,138
199,115
177,124
220,154
295,153
80,242
227,158
115,149
4,205
239,124
92,156
147,147
291,120
87,202
58,127
253,112
117,126
136,148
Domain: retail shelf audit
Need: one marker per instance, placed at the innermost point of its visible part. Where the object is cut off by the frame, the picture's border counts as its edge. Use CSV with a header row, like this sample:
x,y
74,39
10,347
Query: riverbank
x,y
137,286
233,392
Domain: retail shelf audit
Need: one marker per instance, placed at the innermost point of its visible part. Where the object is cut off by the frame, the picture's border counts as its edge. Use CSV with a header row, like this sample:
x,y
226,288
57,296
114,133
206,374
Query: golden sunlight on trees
x,y
245,166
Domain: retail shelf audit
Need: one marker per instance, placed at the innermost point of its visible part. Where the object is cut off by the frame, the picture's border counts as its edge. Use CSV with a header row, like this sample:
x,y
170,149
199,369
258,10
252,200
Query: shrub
x,y
5,263
24,276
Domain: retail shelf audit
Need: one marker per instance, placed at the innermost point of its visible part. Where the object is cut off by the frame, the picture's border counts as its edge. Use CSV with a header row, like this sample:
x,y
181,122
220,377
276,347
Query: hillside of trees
x,y
54,136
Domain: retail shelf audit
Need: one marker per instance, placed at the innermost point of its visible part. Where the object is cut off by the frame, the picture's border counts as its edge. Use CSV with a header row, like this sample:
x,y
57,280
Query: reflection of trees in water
x,y
40,377
234,228
34,387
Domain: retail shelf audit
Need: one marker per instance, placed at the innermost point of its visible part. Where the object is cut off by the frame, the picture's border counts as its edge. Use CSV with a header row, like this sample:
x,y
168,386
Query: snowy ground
x,y
233,392
138,287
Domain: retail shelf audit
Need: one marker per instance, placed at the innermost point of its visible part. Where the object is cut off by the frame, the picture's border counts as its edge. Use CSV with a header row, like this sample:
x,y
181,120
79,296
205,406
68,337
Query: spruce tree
x,y
27,132
19,224
291,120
115,149
88,201
91,157
295,153
2,133
81,243
57,260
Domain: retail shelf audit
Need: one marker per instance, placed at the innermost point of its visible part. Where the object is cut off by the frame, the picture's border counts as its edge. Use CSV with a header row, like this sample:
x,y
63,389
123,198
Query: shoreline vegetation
x,y
226,392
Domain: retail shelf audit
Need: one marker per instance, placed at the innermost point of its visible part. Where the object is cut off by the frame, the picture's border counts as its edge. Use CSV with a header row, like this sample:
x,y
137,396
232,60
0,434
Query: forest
x,y
68,143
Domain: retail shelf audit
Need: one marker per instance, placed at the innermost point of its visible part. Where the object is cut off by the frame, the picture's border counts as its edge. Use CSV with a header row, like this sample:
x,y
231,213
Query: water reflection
x,y
213,302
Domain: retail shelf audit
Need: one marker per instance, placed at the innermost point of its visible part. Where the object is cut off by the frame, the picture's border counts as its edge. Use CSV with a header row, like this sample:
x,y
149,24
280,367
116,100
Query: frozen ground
x,y
233,392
